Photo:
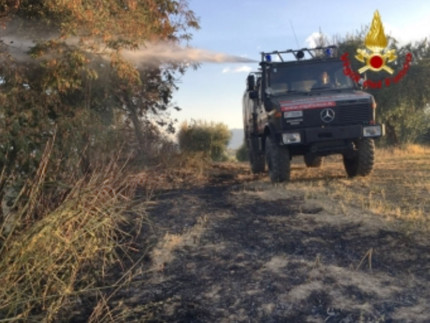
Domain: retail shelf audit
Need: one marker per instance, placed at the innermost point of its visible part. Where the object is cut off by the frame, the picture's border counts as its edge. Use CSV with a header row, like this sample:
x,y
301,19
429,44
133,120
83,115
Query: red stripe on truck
x,y
291,105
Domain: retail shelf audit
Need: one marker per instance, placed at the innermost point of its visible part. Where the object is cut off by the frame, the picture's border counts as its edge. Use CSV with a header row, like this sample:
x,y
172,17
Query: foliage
x,y
65,70
72,96
242,154
406,123
51,262
65,77
209,138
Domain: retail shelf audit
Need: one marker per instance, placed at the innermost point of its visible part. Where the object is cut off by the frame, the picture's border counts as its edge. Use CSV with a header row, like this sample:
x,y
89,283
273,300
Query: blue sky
x,y
214,91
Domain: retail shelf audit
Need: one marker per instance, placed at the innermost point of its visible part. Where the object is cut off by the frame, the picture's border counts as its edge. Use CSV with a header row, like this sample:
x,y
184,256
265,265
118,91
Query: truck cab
x,y
309,107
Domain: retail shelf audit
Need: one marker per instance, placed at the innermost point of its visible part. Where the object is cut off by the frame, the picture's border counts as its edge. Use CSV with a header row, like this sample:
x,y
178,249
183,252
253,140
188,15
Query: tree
x,y
69,71
211,139
242,154
402,106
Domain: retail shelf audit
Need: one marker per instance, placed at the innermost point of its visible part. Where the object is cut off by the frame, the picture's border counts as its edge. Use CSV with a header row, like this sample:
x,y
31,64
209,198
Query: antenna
x,y
294,32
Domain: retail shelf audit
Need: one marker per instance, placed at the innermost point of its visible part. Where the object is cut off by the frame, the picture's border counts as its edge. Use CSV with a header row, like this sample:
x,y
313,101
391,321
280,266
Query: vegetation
x,y
404,107
75,109
211,139
47,264
78,79
242,154
393,192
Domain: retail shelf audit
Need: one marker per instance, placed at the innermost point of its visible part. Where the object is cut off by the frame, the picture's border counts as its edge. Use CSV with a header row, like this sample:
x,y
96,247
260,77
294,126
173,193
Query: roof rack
x,y
328,51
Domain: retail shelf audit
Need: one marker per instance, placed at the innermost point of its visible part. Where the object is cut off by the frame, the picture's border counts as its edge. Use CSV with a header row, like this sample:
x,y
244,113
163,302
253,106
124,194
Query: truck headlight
x,y
291,138
372,131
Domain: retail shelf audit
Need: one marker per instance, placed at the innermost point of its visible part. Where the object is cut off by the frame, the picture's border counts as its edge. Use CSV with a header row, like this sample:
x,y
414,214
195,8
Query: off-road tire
x,y
257,161
316,161
278,161
362,160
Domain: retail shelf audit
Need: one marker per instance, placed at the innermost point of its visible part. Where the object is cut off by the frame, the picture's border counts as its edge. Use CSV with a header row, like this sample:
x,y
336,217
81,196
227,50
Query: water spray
x,y
151,54
169,52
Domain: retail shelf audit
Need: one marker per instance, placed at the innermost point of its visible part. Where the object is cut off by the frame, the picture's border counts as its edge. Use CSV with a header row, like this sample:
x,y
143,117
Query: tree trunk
x,y
137,129
391,134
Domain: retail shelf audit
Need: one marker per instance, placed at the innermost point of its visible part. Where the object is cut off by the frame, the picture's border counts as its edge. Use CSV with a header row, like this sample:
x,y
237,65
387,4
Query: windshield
x,y
305,78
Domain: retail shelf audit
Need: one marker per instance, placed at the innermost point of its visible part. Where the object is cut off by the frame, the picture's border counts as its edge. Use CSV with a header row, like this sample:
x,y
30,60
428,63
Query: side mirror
x,y
250,82
253,94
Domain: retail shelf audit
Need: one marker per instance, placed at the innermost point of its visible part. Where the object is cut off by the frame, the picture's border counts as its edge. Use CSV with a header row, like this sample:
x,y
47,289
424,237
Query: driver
x,y
323,82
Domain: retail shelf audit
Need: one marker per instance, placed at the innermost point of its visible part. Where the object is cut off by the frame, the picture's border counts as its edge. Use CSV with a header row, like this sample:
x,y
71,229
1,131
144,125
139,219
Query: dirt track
x,y
239,249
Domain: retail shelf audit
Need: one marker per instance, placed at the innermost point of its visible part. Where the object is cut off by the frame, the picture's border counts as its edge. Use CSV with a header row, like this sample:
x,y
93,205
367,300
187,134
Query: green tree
x,y
242,154
208,138
69,72
401,106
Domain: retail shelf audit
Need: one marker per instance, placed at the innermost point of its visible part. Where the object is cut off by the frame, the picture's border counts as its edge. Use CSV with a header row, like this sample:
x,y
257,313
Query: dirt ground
x,y
239,249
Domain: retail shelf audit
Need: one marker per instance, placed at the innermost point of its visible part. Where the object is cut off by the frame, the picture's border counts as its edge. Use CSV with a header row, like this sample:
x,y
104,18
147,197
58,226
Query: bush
x,y
211,139
242,153
49,261
407,124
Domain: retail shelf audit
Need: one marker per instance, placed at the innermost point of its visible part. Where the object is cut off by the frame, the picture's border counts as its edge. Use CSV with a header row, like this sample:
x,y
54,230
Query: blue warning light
x,y
268,58
329,52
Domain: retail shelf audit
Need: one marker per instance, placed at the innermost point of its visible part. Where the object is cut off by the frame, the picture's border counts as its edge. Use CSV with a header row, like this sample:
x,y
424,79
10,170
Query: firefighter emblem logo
x,y
375,56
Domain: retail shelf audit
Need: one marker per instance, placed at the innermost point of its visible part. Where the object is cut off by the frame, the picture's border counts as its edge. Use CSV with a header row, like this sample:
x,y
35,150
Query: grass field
x,y
80,251
322,248
398,188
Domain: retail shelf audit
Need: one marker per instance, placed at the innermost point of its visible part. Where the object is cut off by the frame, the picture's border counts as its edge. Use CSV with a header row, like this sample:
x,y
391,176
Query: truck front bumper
x,y
319,134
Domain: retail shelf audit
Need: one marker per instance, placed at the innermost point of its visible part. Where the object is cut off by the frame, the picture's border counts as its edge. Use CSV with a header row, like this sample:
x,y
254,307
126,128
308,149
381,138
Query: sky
x,y
245,28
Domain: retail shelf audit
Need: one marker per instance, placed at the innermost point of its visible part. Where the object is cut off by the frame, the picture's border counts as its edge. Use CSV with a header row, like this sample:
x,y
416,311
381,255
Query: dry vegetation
x,y
219,244
59,257
397,189
230,246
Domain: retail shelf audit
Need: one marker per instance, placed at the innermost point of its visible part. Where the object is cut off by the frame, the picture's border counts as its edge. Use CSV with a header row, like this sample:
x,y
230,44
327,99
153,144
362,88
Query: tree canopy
x,y
403,106
65,70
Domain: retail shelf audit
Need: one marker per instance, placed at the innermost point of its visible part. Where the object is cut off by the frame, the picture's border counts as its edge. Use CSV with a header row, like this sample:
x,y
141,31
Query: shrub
x,y
211,139
47,262
242,153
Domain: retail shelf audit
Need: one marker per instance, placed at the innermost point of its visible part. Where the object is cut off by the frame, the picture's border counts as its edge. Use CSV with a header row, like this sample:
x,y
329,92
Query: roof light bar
x,y
328,51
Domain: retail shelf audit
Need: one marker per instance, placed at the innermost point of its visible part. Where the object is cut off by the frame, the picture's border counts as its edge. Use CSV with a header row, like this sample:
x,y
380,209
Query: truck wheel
x,y
315,161
257,161
278,162
361,163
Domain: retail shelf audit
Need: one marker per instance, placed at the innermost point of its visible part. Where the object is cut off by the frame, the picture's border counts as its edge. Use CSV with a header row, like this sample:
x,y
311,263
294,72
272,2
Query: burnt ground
x,y
247,251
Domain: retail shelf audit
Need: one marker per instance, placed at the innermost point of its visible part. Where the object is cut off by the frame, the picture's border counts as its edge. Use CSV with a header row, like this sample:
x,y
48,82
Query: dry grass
x,y
398,188
53,258
48,263
177,171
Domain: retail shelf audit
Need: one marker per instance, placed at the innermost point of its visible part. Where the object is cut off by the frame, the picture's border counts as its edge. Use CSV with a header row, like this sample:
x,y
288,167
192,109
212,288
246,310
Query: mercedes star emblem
x,y
327,115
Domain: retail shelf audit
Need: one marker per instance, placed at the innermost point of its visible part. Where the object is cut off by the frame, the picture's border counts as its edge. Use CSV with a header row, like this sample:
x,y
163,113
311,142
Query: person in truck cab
x,y
323,82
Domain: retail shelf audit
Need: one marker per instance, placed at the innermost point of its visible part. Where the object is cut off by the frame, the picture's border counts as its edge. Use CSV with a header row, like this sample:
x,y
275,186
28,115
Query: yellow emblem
x,y
376,42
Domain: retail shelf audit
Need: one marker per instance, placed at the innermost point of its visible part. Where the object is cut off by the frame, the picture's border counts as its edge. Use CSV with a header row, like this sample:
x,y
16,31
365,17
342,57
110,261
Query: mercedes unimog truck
x,y
307,106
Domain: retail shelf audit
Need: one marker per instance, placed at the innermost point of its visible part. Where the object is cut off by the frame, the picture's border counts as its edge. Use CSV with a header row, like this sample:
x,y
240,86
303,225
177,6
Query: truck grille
x,y
344,115
354,114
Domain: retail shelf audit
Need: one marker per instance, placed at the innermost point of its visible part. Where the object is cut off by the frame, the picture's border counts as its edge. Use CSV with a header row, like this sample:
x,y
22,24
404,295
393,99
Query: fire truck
x,y
301,102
